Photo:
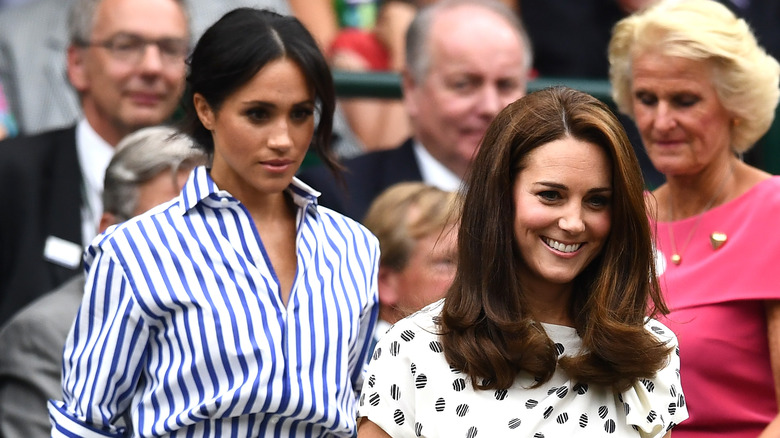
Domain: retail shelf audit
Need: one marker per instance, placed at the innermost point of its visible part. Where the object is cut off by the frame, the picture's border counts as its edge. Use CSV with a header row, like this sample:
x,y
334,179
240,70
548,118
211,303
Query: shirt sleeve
x,y
102,357
658,404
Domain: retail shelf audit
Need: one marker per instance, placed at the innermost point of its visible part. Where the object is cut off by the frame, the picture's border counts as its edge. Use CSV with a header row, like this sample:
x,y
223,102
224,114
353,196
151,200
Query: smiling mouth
x,y
562,247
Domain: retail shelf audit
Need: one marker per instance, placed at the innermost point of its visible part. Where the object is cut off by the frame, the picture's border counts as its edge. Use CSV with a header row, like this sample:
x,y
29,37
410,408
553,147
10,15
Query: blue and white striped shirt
x,y
183,328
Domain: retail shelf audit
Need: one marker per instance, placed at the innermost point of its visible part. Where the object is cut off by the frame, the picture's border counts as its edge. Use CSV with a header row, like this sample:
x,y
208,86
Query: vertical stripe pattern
x,y
183,327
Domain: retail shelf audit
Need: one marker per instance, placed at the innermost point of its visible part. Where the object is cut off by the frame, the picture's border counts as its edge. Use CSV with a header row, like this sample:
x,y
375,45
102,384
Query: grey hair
x,y
417,34
82,16
141,156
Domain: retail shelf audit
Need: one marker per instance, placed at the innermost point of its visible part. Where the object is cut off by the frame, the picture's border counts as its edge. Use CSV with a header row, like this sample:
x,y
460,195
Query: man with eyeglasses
x,y
126,61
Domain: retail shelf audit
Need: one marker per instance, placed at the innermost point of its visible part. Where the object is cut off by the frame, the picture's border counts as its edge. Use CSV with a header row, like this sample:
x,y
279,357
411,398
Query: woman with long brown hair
x,y
544,332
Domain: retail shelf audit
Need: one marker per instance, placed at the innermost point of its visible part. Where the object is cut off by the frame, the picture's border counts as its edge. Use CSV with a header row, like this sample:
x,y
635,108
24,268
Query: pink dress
x,y
716,298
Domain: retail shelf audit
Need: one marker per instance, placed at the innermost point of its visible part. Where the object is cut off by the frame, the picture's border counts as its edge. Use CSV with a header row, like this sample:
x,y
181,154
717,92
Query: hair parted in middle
x,y
486,327
236,47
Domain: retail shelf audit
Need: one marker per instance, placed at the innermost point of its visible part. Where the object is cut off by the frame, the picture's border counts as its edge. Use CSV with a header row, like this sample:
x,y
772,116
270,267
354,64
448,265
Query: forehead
x,y
281,80
151,18
568,159
672,72
472,34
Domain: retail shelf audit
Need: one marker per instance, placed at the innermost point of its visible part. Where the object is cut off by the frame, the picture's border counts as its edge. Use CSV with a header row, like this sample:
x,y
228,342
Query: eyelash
x,y
678,101
551,196
298,114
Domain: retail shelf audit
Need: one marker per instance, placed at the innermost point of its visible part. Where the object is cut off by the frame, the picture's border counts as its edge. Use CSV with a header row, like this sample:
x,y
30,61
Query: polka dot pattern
x,y
411,391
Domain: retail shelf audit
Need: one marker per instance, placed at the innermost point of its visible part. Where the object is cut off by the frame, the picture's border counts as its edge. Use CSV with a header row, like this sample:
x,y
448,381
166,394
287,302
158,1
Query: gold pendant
x,y
717,239
676,259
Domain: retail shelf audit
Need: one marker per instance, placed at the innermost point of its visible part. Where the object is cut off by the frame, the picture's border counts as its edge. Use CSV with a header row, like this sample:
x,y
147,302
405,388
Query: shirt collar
x,y
433,172
94,153
200,188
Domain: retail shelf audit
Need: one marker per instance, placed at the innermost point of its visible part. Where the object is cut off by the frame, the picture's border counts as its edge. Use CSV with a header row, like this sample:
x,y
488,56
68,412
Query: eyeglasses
x,y
130,48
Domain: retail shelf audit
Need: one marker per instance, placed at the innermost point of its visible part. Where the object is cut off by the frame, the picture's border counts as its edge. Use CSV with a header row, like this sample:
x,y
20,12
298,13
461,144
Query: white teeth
x,y
563,247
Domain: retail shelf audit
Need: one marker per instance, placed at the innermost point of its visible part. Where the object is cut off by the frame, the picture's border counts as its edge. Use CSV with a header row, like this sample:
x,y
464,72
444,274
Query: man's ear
x,y
409,88
77,69
204,111
388,287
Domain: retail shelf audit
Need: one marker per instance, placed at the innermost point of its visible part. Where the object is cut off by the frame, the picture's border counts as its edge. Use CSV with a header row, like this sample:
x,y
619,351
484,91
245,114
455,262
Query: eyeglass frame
x,y
136,54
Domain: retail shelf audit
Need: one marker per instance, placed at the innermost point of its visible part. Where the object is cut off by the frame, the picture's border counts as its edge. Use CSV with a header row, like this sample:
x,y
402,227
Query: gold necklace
x,y
677,256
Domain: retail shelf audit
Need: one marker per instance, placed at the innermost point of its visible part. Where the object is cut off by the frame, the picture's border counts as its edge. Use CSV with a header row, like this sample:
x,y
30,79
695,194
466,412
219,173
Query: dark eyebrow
x,y
554,185
265,104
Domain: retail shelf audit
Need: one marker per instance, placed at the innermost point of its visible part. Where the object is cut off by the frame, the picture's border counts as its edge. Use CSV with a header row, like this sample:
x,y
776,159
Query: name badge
x,y
62,252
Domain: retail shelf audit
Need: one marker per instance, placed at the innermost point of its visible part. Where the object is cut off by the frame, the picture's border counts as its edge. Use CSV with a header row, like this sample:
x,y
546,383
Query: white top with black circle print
x,y
411,391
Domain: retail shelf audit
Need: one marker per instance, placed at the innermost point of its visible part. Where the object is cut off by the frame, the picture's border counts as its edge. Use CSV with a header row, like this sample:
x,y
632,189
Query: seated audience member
x,y
33,43
126,61
149,168
454,85
416,227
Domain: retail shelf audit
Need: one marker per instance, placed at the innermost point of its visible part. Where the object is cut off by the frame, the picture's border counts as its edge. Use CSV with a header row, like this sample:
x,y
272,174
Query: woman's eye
x,y
257,114
646,99
302,113
549,195
599,201
686,100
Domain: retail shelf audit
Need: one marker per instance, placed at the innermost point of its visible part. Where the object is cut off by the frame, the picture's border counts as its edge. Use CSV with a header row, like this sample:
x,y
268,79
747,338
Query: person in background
x,y
126,61
416,227
702,92
33,66
374,43
544,331
149,168
454,85
241,308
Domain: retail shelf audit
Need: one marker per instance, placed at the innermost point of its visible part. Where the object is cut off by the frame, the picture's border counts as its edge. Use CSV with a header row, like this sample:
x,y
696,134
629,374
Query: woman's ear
x,y
204,111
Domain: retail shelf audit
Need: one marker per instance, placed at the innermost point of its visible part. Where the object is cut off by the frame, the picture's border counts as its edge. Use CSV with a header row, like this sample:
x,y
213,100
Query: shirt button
x,y
225,201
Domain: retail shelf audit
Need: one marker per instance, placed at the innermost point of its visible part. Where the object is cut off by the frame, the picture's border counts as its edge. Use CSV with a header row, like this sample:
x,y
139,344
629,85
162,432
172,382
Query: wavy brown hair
x,y
487,329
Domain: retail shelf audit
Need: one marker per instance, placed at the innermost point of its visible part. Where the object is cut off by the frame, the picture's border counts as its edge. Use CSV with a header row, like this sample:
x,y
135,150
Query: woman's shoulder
x,y
341,222
760,198
419,326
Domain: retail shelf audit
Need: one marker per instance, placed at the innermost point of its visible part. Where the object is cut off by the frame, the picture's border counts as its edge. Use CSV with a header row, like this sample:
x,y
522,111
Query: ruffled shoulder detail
x,y
655,405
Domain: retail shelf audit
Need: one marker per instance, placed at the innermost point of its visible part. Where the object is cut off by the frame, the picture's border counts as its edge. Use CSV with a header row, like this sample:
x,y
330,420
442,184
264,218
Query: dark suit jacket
x,y
40,188
366,176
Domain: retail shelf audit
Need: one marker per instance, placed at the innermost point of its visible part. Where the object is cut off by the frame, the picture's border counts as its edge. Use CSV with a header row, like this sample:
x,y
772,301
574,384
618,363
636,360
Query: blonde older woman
x,y
702,92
